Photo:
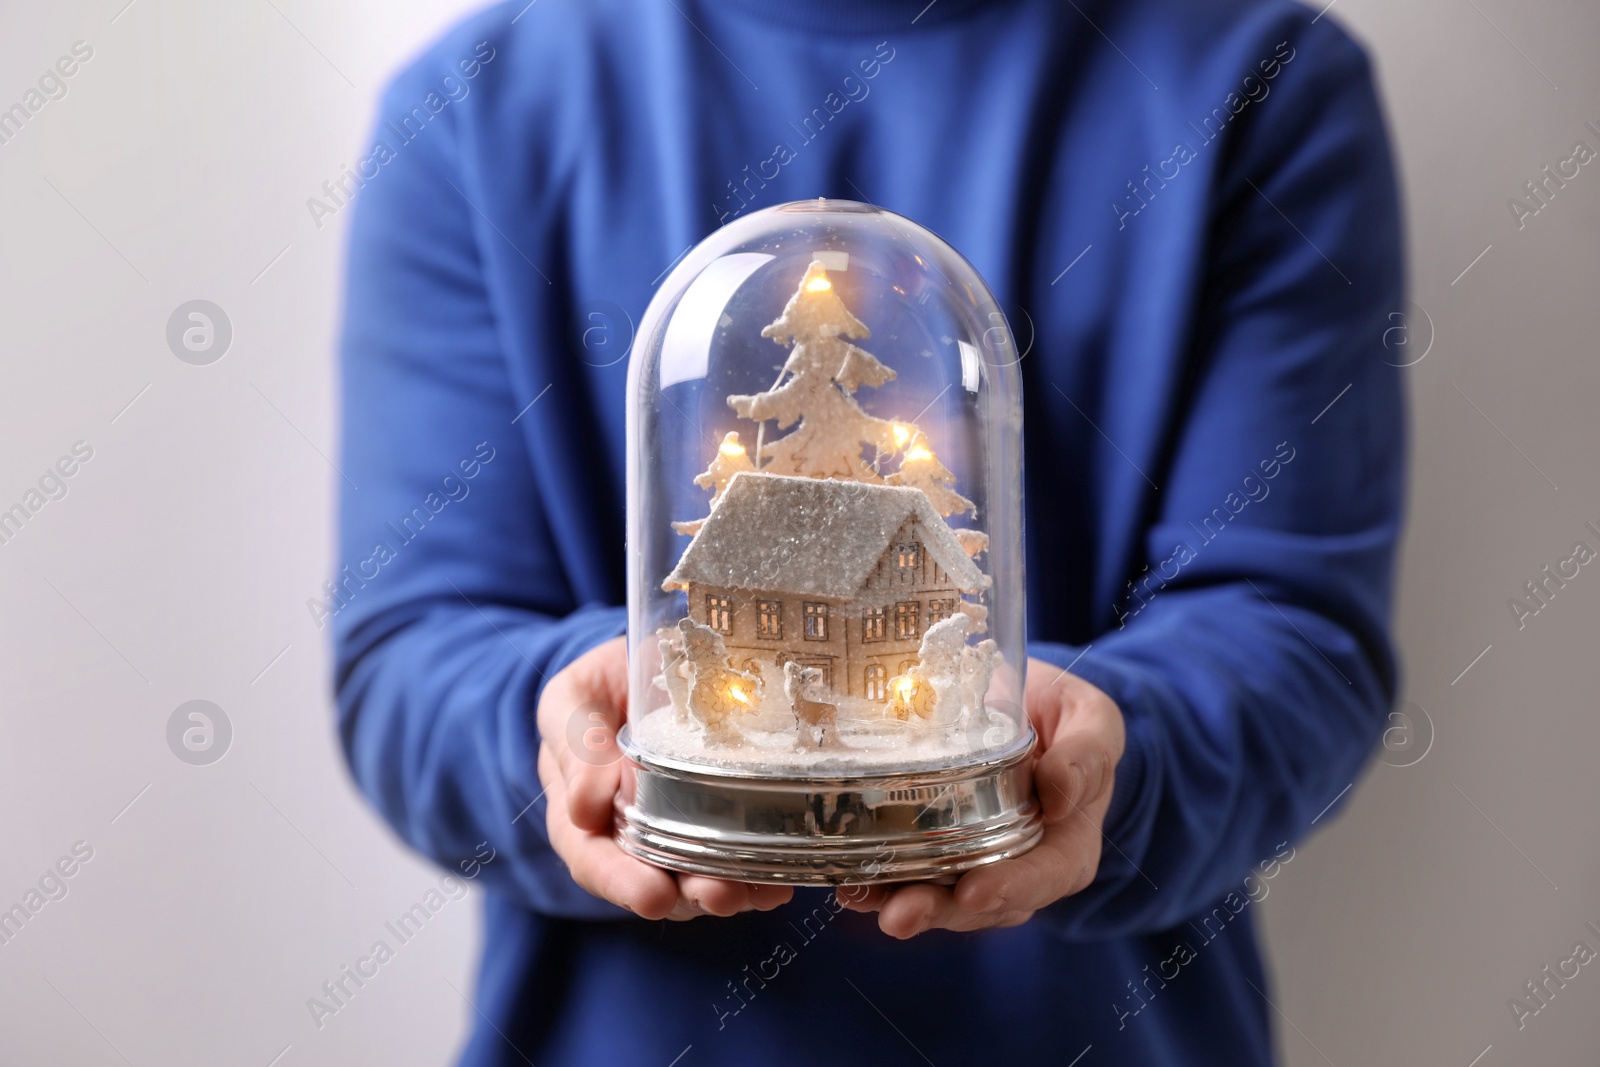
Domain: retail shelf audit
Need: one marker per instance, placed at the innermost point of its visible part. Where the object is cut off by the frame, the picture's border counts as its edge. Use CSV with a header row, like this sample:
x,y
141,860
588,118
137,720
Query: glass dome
x,y
824,507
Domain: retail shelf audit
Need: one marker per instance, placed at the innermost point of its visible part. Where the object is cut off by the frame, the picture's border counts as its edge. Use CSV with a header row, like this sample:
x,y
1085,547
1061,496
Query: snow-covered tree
x,y
921,469
731,459
972,541
816,388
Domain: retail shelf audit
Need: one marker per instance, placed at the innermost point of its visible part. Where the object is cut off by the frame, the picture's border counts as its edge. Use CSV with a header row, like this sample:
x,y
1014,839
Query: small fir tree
x,y
921,469
731,459
817,387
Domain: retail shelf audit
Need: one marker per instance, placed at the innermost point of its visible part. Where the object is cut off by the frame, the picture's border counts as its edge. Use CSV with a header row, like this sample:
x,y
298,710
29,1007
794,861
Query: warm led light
x,y
738,694
919,453
818,284
730,449
905,686
902,434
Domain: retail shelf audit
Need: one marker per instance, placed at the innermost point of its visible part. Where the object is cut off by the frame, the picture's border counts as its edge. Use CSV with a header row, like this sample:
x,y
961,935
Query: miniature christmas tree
x,y
921,469
823,372
731,459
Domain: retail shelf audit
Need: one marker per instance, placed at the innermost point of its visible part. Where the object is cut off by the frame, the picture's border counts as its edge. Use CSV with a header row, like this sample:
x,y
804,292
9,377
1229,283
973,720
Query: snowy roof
x,y
817,536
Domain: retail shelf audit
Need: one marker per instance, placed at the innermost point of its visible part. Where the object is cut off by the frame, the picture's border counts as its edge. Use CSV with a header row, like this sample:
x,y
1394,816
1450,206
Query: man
x,y
1188,209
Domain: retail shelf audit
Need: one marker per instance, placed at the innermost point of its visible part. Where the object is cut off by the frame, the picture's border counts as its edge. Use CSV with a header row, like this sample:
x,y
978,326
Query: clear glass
x,y
825,503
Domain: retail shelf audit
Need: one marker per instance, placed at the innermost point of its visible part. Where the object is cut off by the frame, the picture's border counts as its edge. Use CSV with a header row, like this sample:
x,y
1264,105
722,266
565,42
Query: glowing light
x,y
818,284
902,434
919,453
905,686
730,449
738,694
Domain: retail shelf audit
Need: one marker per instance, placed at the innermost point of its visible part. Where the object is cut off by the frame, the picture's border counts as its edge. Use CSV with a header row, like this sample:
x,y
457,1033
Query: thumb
x,y
580,712
1069,775
592,763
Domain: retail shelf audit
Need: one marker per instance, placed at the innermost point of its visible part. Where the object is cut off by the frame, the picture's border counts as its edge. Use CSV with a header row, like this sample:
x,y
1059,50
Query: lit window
x,y
877,684
872,624
908,559
719,613
940,610
907,664
905,620
816,621
769,619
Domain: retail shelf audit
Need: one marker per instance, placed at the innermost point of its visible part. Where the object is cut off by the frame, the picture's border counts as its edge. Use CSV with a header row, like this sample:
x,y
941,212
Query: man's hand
x,y
1081,739
580,712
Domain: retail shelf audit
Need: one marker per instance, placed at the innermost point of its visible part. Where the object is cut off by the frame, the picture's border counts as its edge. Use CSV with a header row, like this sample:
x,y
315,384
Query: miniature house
x,y
842,576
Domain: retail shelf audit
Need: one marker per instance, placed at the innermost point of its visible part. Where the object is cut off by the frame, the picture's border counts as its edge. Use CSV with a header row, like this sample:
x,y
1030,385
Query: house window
x,y
907,664
719,613
905,620
769,619
877,686
872,624
940,610
908,559
816,621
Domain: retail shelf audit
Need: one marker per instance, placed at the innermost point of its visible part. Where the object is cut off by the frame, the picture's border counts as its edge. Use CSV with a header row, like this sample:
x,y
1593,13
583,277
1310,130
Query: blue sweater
x,y
1187,208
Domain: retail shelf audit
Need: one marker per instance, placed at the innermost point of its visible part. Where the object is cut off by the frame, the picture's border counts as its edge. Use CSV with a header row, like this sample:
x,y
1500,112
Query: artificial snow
x,y
765,740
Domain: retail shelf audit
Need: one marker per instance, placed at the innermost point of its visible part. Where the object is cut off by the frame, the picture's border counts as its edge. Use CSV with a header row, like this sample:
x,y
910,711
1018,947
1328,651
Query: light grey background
x,y
220,896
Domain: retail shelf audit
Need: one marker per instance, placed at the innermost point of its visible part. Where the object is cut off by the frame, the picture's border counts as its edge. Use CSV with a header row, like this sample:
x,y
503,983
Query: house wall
x,y
890,585
744,642
845,654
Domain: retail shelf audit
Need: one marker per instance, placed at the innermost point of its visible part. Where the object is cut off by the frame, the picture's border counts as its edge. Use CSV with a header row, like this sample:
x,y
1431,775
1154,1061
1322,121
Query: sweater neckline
x,y
856,16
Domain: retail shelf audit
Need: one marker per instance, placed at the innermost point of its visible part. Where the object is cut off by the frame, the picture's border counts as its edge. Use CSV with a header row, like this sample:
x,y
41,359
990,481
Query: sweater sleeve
x,y
450,607
1251,658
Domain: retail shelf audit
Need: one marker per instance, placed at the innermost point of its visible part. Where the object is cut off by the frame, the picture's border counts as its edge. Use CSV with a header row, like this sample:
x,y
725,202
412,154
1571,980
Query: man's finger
x,y
924,906
915,908
1070,775
604,870
717,896
766,897
713,895
862,898
580,712
683,911
1061,864
585,796
592,791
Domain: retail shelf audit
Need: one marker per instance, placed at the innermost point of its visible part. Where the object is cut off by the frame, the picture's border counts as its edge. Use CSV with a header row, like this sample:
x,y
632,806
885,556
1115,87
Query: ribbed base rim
x,y
828,831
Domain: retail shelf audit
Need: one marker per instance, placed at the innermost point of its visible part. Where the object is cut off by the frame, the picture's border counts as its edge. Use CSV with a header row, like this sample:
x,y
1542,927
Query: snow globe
x,y
825,599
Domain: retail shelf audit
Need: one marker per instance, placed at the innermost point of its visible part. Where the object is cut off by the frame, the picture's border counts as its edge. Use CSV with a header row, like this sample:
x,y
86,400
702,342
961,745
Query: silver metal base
x,y
801,830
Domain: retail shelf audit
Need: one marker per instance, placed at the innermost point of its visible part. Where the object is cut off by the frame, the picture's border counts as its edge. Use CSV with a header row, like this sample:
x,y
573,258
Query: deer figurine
x,y
809,714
